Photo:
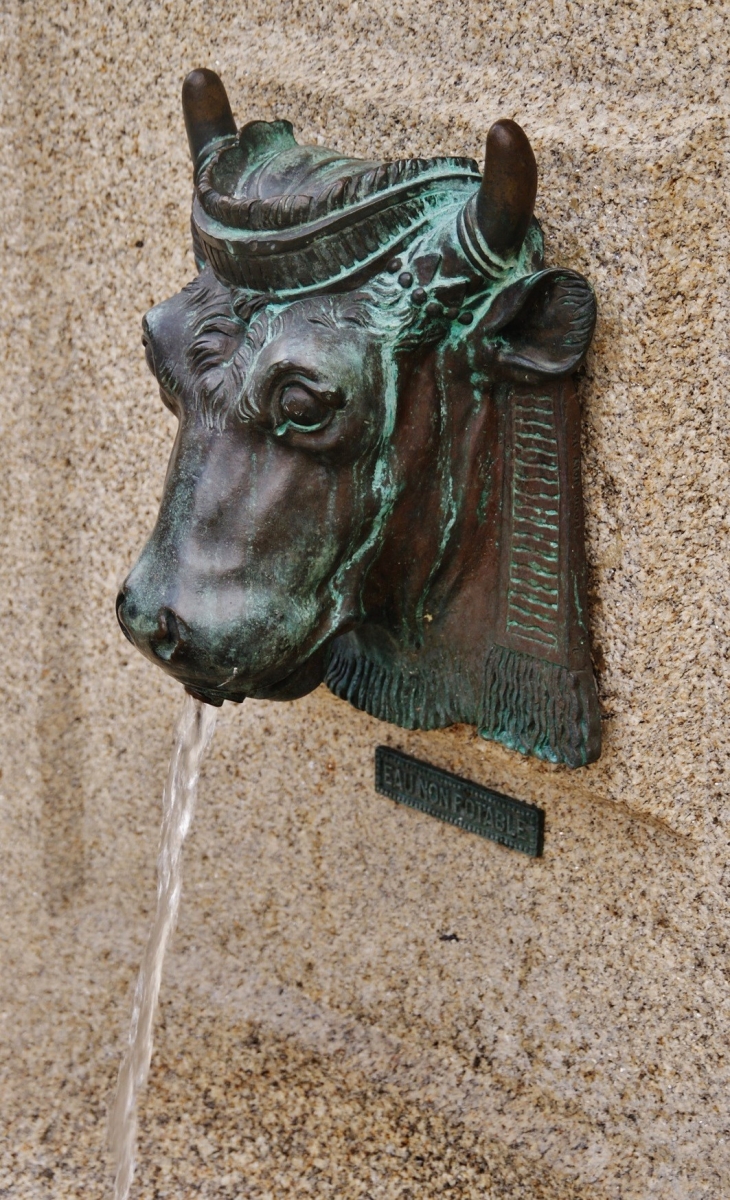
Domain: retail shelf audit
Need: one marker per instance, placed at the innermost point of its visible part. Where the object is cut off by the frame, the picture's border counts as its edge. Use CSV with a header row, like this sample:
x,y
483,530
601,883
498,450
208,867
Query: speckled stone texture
x,y
361,1002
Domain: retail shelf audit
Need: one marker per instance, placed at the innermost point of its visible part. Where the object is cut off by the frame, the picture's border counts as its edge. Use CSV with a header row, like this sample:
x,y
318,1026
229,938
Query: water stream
x,y
194,731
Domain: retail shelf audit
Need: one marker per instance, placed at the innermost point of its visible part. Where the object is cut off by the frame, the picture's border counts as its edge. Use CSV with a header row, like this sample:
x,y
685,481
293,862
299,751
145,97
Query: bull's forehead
x,y
225,352
310,343
327,339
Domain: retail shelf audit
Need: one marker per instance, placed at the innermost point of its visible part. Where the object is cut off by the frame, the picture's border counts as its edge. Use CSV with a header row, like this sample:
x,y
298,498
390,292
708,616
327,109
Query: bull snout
x,y
203,657
165,636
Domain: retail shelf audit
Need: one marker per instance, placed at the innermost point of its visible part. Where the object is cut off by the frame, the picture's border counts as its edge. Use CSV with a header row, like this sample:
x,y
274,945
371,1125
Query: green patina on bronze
x,y
376,478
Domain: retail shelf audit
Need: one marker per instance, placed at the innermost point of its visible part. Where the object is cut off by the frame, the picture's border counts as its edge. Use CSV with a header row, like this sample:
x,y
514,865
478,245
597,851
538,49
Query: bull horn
x,y
506,198
207,113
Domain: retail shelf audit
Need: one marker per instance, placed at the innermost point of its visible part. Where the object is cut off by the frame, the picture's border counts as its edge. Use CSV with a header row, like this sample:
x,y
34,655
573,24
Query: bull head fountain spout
x,y
376,478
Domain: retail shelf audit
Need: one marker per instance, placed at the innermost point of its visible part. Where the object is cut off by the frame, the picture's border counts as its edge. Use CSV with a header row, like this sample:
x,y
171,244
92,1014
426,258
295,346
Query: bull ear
x,y
540,327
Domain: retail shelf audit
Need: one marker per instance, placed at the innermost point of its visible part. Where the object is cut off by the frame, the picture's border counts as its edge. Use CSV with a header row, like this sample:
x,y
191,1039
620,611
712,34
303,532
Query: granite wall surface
x,y
361,1002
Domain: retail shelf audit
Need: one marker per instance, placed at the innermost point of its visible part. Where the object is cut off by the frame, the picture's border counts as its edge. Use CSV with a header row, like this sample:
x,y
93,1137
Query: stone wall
x,y
361,1002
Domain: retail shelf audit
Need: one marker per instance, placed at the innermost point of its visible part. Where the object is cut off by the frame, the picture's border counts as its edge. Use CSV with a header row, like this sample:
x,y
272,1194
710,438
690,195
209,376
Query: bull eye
x,y
302,409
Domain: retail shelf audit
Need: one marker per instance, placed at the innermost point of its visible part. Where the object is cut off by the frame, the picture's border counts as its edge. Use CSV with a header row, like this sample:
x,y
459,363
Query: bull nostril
x,y
160,633
121,598
168,637
173,628
147,343
168,629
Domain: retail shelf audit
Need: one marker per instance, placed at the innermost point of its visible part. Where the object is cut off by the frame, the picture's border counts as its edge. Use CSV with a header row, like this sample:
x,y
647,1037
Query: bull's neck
x,y
419,657
482,615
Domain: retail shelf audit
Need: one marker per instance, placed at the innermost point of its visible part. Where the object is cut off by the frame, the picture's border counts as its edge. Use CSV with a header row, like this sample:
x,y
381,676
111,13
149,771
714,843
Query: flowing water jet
x,y
194,731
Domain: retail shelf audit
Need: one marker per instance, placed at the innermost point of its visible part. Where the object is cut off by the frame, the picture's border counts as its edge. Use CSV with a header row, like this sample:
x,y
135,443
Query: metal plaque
x,y
478,809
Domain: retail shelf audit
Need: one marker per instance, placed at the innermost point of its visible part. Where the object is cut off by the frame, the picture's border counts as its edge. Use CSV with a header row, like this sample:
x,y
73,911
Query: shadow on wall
x,y
63,675
61,756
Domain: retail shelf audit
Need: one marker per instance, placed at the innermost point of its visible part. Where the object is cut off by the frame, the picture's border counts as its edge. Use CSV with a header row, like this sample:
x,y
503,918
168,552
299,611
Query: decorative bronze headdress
x,y
275,217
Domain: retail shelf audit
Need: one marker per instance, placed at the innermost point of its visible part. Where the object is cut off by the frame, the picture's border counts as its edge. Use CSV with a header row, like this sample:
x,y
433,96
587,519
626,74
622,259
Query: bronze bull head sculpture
x,y
376,476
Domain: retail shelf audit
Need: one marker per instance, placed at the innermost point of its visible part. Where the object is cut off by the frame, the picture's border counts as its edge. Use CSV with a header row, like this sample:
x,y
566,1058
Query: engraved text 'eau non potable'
x,y
472,807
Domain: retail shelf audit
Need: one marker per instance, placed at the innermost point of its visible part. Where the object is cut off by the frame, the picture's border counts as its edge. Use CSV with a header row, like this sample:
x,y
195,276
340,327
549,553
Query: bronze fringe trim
x,y
527,704
406,698
540,708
